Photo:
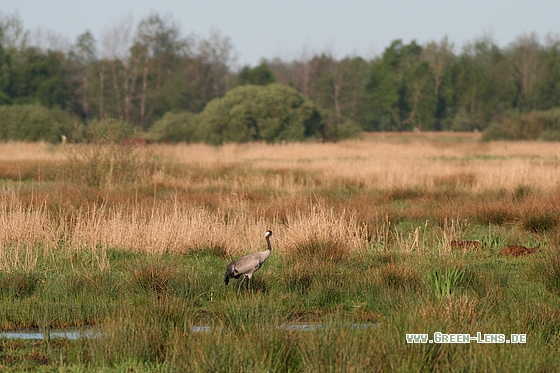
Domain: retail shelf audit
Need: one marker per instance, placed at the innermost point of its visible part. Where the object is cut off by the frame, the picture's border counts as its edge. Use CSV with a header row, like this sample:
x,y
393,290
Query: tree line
x,y
140,72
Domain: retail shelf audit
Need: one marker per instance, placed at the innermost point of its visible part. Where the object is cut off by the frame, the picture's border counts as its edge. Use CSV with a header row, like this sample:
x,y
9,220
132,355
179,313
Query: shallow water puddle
x,y
312,327
93,333
37,334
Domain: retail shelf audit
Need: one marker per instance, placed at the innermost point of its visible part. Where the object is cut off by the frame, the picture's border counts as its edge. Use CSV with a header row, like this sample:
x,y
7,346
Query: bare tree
x,y
217,51
102,89
48,40
526,64
338,85
12,33
115,42
159,43
84,54
440,58
302,71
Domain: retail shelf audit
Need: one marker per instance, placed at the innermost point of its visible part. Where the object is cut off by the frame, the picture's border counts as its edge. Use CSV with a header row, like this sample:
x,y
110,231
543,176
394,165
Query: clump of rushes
x,y
18,284
399,276
154,277
540,221
442,283
547,271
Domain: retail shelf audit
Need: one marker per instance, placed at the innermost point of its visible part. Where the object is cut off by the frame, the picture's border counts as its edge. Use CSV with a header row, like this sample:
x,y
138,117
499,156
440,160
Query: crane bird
x,y
248,264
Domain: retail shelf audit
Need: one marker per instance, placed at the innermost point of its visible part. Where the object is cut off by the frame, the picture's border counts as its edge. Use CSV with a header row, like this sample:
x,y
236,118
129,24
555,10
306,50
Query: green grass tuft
x,y
442,283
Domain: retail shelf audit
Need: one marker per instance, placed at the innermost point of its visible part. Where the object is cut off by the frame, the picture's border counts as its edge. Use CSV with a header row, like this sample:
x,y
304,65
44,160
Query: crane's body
x,y
245,266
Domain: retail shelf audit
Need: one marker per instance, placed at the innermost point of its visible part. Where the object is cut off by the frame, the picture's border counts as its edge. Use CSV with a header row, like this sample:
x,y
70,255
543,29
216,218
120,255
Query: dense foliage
x,y
271,113
535,125
34,122
176,127
141,74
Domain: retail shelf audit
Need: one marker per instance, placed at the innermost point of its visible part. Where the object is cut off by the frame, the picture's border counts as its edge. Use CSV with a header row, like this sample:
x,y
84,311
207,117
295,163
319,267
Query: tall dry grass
x,y
377,161
334,198
25,233
173,229
380,163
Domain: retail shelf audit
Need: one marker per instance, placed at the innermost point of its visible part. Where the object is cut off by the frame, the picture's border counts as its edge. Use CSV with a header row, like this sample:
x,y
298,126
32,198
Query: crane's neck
x,y
269,246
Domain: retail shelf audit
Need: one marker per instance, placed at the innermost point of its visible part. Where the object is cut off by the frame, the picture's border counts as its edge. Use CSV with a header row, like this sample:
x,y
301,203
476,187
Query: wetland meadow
x,y
131,243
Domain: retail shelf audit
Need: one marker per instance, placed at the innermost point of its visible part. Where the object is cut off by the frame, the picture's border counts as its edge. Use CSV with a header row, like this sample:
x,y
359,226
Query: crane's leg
x,y
239,286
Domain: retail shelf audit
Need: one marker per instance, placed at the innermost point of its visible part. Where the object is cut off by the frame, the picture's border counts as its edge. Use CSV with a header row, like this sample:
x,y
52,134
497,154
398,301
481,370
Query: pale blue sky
x,y
285,28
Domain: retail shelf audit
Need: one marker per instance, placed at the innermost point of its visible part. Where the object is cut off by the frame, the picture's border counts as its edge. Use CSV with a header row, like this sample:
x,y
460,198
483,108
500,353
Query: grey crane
x,y
245,267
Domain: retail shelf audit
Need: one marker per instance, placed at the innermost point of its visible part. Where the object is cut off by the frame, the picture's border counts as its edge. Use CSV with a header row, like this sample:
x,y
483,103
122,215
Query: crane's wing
x,y
245,265
248,264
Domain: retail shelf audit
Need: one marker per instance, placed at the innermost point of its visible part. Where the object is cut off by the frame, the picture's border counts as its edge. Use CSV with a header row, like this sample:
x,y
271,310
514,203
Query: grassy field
x,y
134,242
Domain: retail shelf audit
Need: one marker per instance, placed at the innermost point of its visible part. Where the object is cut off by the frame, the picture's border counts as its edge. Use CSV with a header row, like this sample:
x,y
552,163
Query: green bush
x,y
107,131
271,113
176,127
34,122
105,162
501,131
332,130
542,125
550,135
463,121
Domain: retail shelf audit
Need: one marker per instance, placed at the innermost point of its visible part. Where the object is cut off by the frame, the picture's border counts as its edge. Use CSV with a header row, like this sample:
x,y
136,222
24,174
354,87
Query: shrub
x,y
107,131
544,125
34,122
271,113
348,129
332,130
176,127
463,121
550,135
108,165
104,162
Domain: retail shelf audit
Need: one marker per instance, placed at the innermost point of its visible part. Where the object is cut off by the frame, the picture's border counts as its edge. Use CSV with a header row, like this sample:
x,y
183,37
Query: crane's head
x,y
268,233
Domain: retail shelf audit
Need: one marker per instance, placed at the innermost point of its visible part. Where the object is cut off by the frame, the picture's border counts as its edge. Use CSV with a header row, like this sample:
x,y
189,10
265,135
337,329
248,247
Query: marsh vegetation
x,y
134,242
